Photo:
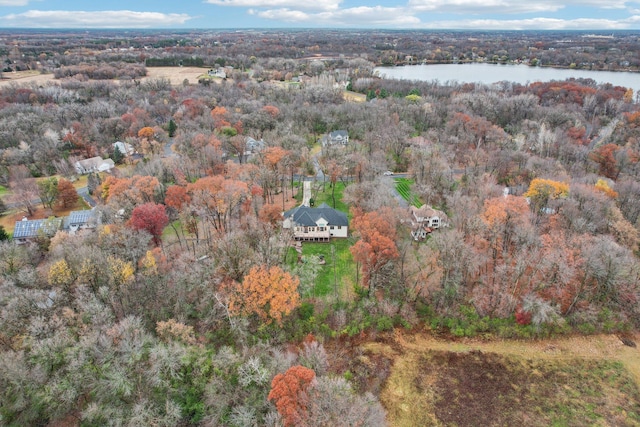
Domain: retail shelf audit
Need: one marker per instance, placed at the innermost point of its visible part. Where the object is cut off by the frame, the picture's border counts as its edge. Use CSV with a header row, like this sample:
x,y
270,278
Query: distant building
x,y
124,147
337,137
425,219
316,224
94,164
253,146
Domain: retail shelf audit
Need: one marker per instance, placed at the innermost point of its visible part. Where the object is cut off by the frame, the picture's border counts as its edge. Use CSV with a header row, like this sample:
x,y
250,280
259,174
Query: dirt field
x,y
572,381
175,74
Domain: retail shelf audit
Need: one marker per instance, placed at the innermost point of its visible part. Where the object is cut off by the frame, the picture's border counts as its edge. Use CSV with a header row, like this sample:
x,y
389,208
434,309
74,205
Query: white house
x,y
316,224
124,147
337,137
425,219
94,164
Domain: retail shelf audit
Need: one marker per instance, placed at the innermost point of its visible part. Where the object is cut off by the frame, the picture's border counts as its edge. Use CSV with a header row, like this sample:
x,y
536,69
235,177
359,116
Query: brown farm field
x,y
176,76
423,380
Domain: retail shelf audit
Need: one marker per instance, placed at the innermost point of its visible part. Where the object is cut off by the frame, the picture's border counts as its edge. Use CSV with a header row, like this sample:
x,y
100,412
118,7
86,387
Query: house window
x,y
331,228
320,228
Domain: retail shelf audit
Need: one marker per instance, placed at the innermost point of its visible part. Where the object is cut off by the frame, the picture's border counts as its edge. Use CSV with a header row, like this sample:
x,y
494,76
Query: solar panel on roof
x,y
80,217
24,229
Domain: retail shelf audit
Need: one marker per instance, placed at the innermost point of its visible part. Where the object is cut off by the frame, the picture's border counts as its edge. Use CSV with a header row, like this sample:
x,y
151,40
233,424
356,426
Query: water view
x,y
493,73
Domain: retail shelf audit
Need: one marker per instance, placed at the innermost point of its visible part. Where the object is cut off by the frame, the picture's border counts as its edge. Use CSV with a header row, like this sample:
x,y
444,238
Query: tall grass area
x,y
403,186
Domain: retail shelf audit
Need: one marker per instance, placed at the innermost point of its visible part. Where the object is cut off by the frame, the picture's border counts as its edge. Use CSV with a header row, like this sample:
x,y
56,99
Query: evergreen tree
x,y
117,156
3,234
171,128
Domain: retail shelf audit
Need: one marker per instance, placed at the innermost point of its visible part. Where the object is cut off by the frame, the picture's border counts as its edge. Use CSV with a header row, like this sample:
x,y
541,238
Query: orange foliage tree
x,y
129,192
271,293
146,133
376,247
503,216
176,197
67,195
289,392
215,198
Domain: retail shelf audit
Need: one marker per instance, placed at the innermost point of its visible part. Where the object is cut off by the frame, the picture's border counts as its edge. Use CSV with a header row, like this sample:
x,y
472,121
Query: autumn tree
x,y
376,248
605,157
216,198
48,191
269,293
290,393
150,217
125,193
504,216
67,195
541,191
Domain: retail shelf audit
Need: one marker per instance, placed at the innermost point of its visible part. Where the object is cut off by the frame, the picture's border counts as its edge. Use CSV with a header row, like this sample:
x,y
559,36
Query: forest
x,y
187,303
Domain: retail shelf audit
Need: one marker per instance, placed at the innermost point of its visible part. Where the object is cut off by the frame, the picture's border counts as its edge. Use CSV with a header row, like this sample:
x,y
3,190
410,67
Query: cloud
x,y
14,2
364,16
509,6
535,24
280,4
98,19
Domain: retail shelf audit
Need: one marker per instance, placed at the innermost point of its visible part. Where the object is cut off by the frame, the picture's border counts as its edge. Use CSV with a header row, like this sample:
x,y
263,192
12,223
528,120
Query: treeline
x,y
107,71
176,61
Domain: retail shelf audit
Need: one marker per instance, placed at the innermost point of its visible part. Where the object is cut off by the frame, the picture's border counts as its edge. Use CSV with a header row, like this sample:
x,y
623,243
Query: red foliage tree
x,y
150,217
604,156
289,392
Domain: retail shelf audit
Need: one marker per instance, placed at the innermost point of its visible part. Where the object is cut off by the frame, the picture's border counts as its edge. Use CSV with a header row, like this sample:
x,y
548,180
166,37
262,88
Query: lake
x,y
493,73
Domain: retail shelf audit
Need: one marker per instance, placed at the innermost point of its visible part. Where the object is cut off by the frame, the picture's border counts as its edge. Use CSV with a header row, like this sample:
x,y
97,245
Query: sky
x,y
373,14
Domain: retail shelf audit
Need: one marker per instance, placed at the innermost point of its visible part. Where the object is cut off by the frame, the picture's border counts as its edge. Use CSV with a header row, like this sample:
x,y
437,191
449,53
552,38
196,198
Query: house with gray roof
x,y
94,164
316,224
26,230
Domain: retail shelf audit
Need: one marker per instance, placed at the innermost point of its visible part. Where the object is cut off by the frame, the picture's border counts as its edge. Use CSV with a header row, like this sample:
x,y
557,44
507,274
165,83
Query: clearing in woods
x,y
571,381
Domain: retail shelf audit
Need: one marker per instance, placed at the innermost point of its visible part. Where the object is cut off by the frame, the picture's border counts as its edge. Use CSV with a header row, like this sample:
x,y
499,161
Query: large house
x,y
316,224
425,219
26,230
337,137
94,164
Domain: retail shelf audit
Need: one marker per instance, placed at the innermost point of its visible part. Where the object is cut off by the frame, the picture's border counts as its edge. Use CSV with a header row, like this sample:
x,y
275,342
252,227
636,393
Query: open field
x,y
176,76
571,381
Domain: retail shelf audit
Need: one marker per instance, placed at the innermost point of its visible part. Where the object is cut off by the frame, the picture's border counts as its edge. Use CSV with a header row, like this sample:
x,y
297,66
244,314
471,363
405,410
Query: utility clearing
x,y
570,381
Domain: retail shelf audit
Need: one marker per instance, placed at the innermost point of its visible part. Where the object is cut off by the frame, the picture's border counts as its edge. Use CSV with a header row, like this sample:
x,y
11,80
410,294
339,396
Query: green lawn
x,y
403,186
321,197
331,281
